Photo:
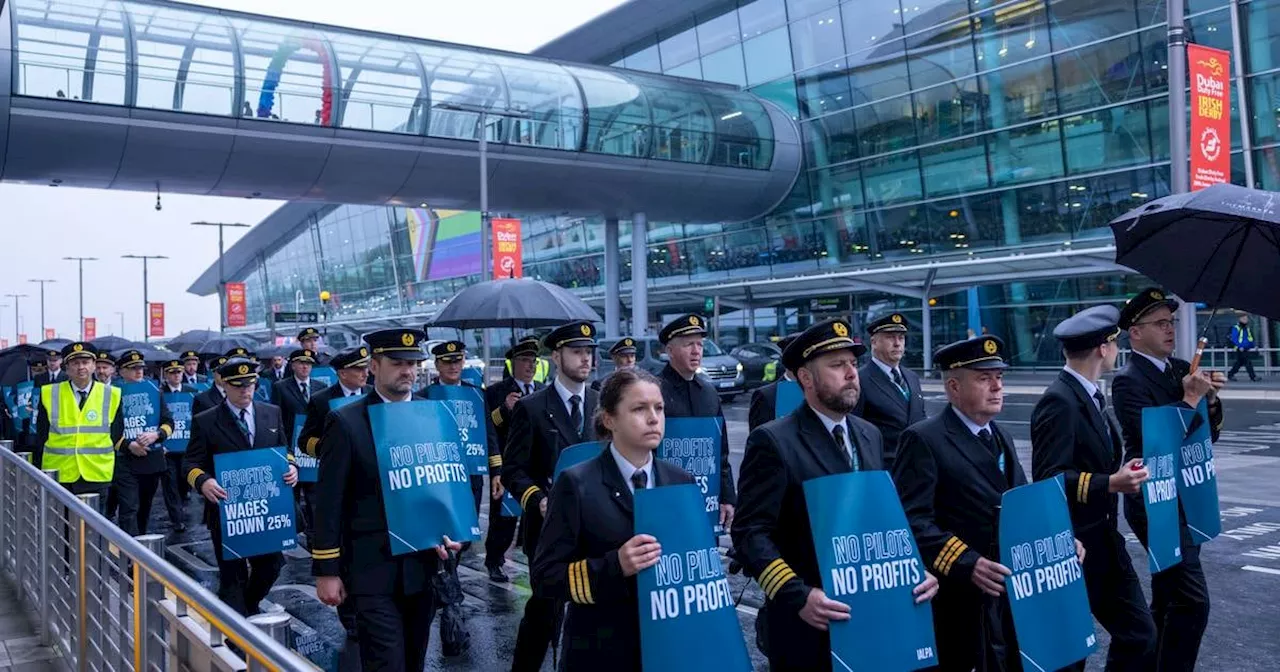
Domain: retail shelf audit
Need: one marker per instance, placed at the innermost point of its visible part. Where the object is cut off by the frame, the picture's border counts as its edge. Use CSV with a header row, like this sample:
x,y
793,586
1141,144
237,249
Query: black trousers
x,y
394,630
537,627
244,582
1179,602
502,532
1116,600
172,488
305,509
1243,358
122,500
147,484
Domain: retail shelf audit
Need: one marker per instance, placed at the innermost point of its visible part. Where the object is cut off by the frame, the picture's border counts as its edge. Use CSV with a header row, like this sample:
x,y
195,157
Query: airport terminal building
x,y
960,162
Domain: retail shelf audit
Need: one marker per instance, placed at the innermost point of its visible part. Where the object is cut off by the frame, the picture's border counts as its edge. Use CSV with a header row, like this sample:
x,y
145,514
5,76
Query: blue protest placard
x,y
324,374
179,406
467,404
24,400
201,387
693,444
1197,478
308,466
257,515
474,376
1046,590
426,489
869,561
1161,438
688,619
263,391
788,399
576,454
140,409
509,507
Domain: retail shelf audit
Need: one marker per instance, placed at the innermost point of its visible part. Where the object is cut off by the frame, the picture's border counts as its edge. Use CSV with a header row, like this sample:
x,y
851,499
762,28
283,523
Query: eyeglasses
x,y
1161,324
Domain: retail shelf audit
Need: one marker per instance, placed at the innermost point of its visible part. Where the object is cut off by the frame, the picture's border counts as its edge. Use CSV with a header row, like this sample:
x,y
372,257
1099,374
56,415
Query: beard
x,y
841,400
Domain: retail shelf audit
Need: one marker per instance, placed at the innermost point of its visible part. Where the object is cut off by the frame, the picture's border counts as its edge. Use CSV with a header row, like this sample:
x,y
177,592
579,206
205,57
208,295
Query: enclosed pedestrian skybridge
x,y
150,96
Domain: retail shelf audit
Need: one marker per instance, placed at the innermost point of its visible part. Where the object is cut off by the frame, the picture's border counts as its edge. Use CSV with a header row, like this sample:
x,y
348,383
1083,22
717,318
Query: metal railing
x,y
1266,361
103,600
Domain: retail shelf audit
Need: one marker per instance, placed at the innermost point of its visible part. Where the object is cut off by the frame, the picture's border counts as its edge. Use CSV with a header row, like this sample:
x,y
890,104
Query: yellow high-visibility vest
x,y
770,372
79,444
540,371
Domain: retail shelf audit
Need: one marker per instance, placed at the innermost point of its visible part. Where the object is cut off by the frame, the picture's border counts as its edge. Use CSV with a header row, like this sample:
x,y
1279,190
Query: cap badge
x,y
585,329
135,357
77,347
407,339
364,352
627,342
450,347
990,347
841,330
896,318
693,319
1157,296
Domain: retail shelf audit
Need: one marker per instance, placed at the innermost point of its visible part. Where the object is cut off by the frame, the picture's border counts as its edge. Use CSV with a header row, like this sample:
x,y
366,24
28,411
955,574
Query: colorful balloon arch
x,y
266,101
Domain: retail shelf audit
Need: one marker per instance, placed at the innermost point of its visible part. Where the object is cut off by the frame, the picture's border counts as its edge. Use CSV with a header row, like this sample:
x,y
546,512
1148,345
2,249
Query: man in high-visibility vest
x,y
78,425
542,368
1242,338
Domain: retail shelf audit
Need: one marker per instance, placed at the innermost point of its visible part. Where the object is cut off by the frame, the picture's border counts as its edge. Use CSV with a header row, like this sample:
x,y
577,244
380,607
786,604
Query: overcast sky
x,y
44,224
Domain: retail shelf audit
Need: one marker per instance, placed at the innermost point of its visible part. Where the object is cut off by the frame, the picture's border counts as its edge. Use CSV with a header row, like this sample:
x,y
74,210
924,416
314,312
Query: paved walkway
x,y
20,649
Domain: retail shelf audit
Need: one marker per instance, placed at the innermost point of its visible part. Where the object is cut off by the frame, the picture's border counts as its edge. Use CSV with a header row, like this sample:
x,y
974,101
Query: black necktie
x,y
1102,400
306,391
575,412
846,451
985,437
639,480
83,397
243,421
897,380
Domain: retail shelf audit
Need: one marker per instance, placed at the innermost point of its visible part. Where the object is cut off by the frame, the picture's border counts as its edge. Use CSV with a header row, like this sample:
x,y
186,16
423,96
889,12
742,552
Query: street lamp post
x,y
120,315
17,300
80,262
42,284
1179,171
485,263
146,303
222,278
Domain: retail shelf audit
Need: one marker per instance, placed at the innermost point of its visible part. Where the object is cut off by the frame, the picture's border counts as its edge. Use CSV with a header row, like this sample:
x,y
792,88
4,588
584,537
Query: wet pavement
x,y
1243,565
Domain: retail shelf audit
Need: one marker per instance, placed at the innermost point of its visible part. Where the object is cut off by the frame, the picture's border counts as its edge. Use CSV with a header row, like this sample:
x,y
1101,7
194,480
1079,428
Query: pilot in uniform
x,y
891,397
1072,434
500,399
772,537
623,354
951,471
764,399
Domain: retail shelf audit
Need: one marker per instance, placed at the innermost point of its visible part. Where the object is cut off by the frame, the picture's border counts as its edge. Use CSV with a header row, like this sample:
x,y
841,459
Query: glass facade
x,y
933,129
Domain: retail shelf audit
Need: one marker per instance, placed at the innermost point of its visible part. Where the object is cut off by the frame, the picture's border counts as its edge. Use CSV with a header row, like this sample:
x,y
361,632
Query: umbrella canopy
x,y
149,355
1219,246
192,340
113,343
222,344
54,343
13,362
520,302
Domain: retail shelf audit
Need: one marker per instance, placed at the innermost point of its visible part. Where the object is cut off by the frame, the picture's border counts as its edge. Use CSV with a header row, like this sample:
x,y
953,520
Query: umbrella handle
x,y
1200,346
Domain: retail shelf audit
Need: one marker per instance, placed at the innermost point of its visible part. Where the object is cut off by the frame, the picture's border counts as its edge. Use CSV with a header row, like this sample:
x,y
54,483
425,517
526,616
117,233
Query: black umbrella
x,y
222,344
192,340
149,355
13,362
1219,246
513,303
113,343
56,344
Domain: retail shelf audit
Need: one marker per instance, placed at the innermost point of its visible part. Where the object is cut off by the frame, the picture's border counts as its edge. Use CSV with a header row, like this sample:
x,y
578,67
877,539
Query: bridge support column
x,y
639,275
612,275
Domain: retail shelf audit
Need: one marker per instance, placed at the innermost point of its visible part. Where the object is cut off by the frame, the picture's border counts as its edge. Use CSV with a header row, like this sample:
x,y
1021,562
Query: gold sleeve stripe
x,y
778,582
495,461
956,551
573,583
312,443
584,576
288,456
524,499
166,429
771,572
1082,487
496,416
193,475
941,559
325,555
120,444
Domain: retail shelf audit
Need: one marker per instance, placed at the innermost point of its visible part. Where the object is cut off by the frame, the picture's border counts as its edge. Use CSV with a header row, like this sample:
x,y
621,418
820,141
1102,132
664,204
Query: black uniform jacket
x,y
538,431
698,398
589,518
883,405
771,533
199,378
216,431
495,398
1141,385
288,396
42,427
317,411
950,485
206,400
764,403
1070,436
153,462
46,378
351,537
269,373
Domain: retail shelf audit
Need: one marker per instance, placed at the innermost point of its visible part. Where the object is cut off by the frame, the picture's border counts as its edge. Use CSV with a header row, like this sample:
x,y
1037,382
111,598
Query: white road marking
x,y
1264,570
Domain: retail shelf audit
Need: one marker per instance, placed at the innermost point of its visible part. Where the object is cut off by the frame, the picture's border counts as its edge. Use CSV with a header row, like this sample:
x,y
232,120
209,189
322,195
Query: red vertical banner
x,y
507,249
22,339
90,328
4,343
156,312
1210,116
235,304
50,333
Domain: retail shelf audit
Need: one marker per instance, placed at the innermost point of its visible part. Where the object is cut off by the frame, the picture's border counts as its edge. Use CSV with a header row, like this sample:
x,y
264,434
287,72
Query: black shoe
x,y
497,575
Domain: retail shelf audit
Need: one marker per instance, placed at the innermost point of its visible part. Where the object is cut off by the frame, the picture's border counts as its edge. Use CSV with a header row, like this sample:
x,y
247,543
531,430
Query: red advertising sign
x,y
235,304
506,249
22,339
156,311
4,343
90,328
50,333
1210,116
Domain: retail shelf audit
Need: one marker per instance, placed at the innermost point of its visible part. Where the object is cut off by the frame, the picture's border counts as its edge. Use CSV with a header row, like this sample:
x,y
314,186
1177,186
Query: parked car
x,y
723,369
755,357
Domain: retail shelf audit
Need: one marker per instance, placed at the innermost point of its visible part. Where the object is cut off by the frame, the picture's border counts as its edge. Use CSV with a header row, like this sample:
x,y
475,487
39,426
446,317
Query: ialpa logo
x,y
924,653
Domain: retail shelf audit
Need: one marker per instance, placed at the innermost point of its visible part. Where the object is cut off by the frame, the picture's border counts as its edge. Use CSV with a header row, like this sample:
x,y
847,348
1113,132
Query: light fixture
x,y
732,115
